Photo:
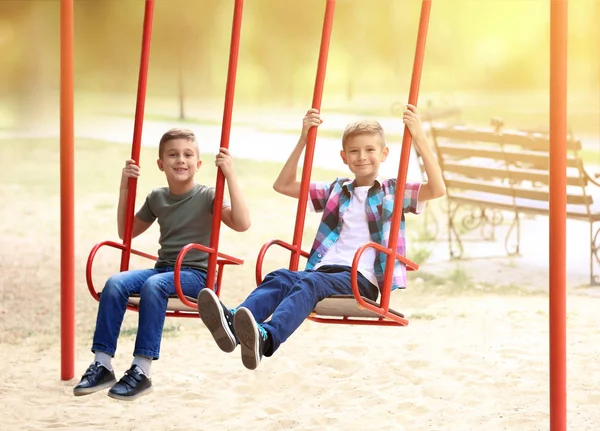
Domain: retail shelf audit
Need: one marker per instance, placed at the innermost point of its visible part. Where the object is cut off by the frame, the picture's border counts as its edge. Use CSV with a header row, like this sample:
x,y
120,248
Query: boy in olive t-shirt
x,y
184,213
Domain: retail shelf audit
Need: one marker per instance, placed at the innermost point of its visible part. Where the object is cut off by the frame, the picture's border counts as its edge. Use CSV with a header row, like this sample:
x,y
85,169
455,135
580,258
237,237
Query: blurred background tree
x,y
491,46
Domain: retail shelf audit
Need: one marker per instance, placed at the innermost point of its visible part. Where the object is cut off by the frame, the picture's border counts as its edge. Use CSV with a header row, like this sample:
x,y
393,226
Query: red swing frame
x,y
384,316
216,259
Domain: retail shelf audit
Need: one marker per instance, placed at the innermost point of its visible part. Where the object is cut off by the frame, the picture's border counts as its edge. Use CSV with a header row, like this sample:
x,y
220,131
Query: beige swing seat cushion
x,y
174,304
334,306
346,306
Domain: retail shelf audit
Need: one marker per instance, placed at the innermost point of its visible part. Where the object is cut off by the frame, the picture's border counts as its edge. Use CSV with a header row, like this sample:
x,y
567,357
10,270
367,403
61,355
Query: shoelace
x,y
262,331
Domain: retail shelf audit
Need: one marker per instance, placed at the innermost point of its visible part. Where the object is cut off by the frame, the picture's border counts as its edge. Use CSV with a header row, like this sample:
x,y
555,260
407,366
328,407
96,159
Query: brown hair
x,y
173,134
363,127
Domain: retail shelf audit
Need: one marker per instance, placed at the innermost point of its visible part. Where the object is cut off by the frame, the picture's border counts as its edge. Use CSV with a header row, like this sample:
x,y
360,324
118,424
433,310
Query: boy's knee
x,y
283,272
155,286
114,286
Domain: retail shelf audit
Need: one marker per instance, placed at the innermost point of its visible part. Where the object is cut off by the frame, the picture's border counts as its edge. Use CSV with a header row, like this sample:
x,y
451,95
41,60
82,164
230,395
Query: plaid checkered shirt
x,y
333,200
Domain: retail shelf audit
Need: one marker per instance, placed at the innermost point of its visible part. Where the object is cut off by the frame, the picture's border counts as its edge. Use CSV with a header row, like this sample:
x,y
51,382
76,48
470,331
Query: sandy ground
x,y
474,356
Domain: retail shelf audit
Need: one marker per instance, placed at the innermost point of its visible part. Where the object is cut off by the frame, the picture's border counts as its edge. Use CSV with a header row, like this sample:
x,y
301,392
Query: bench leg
x,y
516,227
594,258
455,253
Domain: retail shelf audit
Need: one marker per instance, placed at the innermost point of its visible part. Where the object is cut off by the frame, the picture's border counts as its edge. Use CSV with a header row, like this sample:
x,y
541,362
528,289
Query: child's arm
x,y
131,170
287,183
434,187
237,216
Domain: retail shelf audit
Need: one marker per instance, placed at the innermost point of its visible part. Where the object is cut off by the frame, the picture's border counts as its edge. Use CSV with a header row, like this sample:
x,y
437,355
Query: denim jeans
x,y
154,286
290,296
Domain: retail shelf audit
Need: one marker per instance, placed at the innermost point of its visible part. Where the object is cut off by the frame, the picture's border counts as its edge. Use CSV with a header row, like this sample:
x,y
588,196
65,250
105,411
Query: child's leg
x,y
263,300
154,297
301,301
113,303
153,305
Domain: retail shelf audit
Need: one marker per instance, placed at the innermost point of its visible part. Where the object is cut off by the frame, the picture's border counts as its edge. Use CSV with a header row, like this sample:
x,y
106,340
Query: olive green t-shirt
x,y
183,219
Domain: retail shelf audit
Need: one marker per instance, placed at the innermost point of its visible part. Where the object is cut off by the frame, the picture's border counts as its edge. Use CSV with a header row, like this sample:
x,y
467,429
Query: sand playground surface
x,y
474,356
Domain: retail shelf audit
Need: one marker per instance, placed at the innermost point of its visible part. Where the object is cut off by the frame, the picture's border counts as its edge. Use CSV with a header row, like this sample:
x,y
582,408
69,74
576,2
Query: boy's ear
x,y
199,164
386,152
159,162
343,156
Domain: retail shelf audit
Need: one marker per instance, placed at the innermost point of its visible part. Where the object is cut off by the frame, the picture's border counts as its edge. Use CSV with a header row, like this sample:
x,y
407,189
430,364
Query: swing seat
x,y
174,304
346,307
178,305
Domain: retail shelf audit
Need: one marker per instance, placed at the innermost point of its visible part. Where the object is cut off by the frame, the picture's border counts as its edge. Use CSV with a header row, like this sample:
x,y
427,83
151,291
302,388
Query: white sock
x,y
104,359
144,363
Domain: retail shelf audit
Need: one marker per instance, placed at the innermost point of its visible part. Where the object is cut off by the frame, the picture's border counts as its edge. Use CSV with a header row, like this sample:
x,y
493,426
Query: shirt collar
x,y
349,184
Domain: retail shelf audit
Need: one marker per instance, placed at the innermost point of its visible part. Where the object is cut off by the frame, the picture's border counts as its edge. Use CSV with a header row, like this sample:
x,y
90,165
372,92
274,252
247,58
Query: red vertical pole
x,y
137,130
413,96
225,133
67,199
558,220
309,152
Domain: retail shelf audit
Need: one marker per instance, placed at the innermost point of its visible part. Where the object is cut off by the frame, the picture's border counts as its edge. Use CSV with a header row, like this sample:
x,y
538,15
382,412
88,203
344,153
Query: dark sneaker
x,y
218,319
95,378
132,385
252,337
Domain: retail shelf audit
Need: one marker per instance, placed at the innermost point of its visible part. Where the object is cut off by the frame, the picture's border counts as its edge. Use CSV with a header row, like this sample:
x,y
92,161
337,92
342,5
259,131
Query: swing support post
x,y
67,194
413,97
225,134
137,132
558,220
309,152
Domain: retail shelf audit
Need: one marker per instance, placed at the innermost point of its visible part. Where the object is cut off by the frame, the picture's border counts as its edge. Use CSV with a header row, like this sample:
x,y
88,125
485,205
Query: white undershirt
x,y
355,232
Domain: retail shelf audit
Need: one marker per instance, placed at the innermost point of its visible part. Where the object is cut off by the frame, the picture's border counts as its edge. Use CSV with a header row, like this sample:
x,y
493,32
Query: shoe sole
x,y
87,391
130,397
213,317
247,332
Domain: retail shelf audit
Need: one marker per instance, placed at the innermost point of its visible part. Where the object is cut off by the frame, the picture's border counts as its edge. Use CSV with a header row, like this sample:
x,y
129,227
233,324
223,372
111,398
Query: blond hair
x,y
363,127
176,133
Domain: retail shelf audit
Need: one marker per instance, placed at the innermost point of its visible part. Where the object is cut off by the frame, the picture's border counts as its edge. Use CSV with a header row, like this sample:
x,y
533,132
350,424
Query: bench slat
x,y
534,142
532,159
507,190
523,205
512,173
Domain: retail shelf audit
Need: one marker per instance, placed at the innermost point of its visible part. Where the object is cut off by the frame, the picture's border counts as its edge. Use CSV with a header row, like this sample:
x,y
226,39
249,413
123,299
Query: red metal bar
x,y
405,154
179,262
263,251
90,262
558,220
225,260
309,152
362,322
67,194
383,308
225,133
137,131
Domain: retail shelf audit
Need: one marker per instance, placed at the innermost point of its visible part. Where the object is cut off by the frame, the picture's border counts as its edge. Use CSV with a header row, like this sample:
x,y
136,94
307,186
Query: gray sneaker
x,y
252,337
218,319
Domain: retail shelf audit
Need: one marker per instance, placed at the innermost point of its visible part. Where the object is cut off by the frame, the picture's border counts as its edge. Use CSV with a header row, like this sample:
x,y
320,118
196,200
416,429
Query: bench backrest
x,y
508,163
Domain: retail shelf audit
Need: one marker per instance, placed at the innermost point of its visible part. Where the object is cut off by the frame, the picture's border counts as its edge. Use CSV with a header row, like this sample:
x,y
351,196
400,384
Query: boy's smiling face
x,y
363,154
179,161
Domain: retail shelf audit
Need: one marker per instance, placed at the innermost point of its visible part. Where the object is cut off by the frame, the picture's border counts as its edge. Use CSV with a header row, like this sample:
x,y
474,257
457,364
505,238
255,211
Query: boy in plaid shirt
x,y
355,211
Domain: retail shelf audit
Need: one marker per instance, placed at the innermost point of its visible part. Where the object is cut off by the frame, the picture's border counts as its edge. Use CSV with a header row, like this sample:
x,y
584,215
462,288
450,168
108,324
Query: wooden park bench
x,y
494,171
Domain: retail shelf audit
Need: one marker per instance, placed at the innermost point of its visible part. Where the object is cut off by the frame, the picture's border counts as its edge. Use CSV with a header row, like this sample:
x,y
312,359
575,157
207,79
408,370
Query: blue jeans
x,y
290,296
154,286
